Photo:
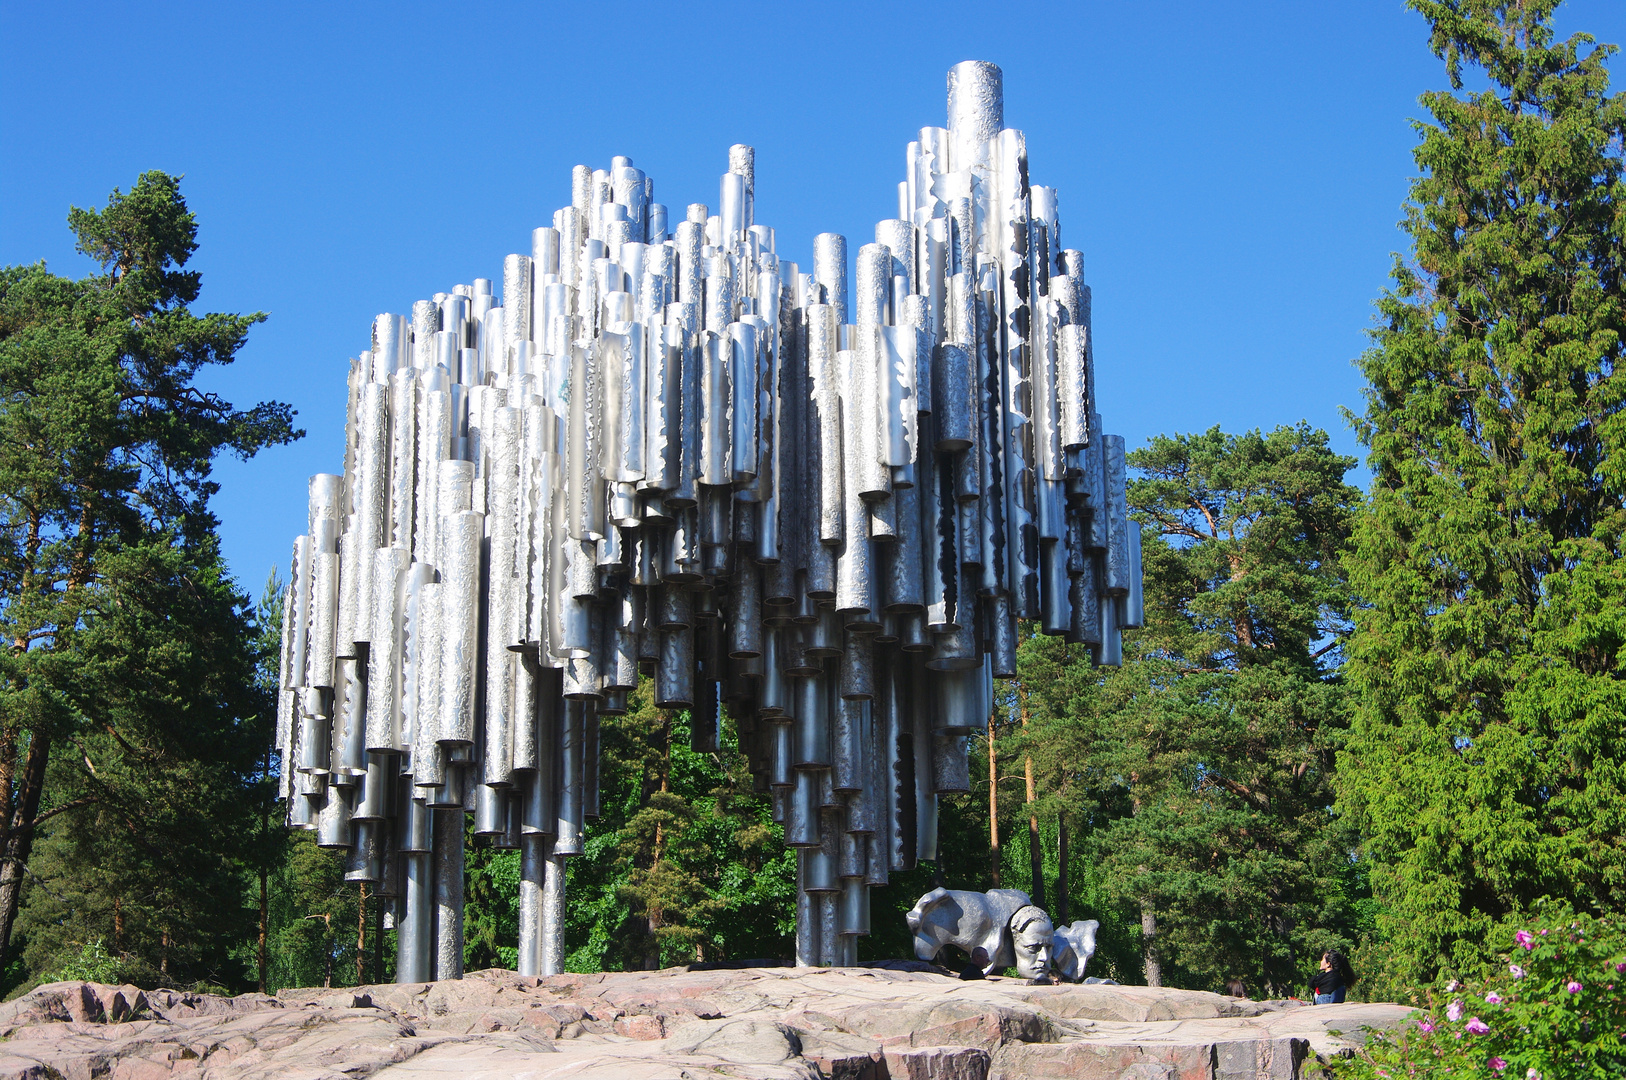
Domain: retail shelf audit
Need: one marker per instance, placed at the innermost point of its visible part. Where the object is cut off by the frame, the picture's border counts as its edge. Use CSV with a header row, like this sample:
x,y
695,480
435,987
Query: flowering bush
x,y
1554,1009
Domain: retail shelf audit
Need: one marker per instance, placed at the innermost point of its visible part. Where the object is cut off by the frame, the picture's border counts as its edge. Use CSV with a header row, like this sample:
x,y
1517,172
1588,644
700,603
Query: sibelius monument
x,y
818,501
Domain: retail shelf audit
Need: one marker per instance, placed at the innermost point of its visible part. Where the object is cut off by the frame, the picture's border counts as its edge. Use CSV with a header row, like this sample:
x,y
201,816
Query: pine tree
x,y
108,555
1197,778
1486,755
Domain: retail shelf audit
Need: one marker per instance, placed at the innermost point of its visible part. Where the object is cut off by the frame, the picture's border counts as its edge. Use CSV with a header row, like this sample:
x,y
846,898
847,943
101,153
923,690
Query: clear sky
x,y
1232,171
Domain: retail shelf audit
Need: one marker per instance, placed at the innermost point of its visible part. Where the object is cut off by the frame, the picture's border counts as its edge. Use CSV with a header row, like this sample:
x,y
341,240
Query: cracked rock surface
x,y
797,1024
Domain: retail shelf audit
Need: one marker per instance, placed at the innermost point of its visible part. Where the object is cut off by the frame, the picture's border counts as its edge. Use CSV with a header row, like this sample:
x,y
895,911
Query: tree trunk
x,y
653,914
265,833
8,772
263,910
1061,870
118,926
378,942
1148,933
1035,848
20,841
993,804
361,933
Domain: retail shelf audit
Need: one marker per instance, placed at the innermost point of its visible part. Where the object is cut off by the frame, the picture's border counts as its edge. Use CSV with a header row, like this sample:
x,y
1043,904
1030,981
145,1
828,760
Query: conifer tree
x,y
684,862
127,682
1197,778
1486,757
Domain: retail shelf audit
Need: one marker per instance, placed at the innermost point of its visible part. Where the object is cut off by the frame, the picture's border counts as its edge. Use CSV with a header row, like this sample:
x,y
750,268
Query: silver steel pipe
x,y
573,734
553,914
830,272
1111,654
448,874
532,871
847,745
976,110
383,720
674,673
1116,578
348,757
856,669
807,921
824,428
951,767
1134,600
811,718
426,723
802,811
526,750
462,535
413,955
954,396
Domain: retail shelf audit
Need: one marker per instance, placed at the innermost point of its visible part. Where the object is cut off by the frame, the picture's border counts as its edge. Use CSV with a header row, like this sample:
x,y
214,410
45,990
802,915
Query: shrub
x,y
90,963
1554,1009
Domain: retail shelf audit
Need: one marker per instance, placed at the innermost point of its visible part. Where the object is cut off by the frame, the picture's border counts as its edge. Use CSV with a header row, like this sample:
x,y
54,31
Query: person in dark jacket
x,y
1329,985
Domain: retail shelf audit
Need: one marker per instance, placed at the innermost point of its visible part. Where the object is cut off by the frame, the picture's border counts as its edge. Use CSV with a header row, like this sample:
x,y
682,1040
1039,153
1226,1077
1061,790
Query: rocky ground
x,y
853,1023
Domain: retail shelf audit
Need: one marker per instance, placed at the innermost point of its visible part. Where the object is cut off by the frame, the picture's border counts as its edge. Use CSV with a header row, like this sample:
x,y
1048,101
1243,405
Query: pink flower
x,y
1531,1074
1476,1026
1452,987
1453,1011
1498,1063
1620,968
1523,938
1425,1026
1493,998
1516,971
1573,987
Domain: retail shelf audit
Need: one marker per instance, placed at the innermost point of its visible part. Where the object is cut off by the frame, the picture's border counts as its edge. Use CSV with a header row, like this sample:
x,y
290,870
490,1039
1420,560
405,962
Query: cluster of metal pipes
x,y
817,501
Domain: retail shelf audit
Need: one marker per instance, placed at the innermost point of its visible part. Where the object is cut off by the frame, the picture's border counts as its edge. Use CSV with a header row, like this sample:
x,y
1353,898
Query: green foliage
x,y
164,787
1554,1007
490,905
131,725
684,862
1197,778
1247,535
89,963
1485,759
312,934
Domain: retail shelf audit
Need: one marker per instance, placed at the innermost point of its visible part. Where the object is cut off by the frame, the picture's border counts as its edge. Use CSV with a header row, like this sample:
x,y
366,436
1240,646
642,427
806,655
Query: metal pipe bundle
x,y
669,454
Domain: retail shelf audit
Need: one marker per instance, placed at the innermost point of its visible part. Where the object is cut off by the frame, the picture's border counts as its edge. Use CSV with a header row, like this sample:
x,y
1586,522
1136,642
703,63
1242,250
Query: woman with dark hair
x,y
1329,985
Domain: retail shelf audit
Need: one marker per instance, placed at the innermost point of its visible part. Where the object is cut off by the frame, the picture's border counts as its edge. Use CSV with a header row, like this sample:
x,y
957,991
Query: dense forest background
x,y
1387,721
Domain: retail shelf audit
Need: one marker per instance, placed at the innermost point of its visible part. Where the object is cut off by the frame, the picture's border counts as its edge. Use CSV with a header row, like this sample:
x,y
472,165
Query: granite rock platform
x,y
795,1024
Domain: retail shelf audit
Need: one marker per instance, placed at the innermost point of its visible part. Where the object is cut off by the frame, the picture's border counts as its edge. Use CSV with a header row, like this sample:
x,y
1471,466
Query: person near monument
x,y
1328,985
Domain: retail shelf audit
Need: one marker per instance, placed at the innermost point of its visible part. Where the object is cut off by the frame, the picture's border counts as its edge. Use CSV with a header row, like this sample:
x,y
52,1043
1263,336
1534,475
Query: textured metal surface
x,y
447,861
810,505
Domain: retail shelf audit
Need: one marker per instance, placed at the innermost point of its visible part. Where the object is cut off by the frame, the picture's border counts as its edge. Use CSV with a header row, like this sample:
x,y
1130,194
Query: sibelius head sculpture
x,y
818,499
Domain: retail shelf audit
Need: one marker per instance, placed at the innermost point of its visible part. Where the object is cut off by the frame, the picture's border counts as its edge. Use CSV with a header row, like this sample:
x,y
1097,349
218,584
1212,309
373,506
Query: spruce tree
x,y
684,862
1486,758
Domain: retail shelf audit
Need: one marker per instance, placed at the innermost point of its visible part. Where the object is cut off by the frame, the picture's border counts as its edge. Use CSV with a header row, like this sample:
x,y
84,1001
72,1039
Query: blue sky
x,y
1232,171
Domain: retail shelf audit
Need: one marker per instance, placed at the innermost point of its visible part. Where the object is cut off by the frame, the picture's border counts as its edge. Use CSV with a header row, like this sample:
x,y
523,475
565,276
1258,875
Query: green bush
x,y
89,964
1553,1009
